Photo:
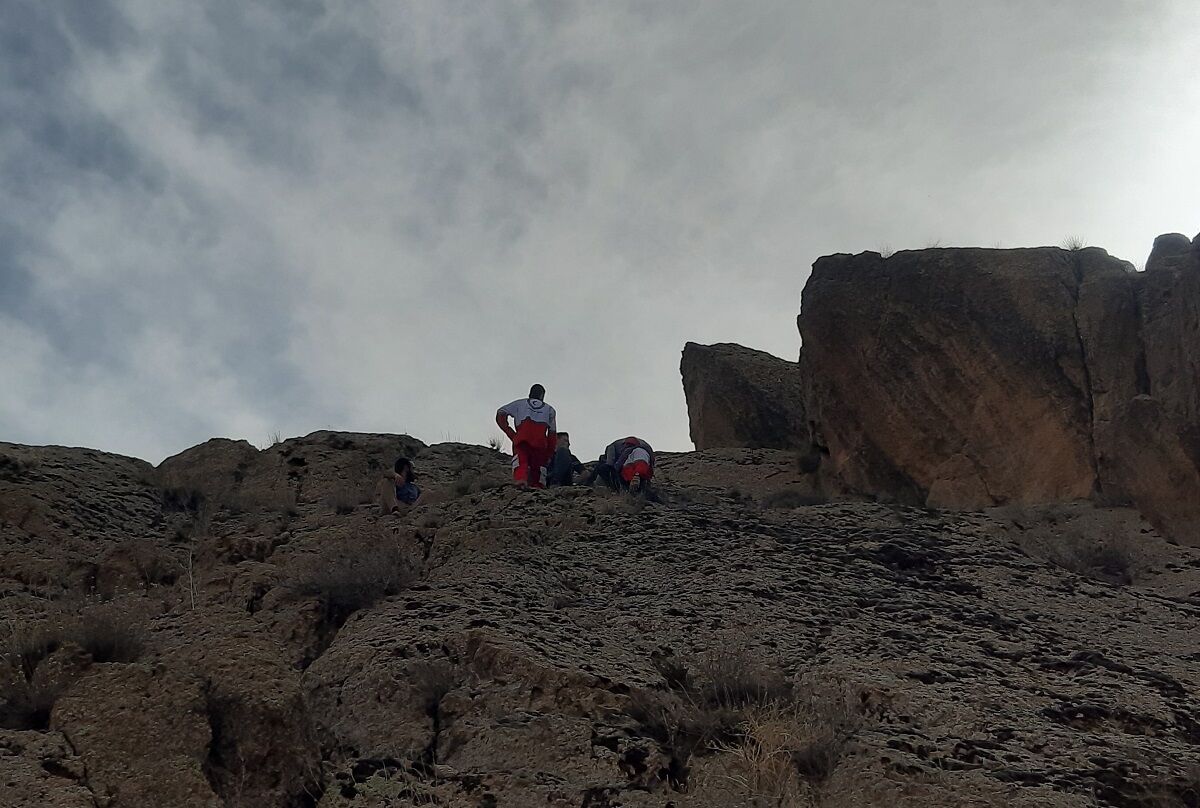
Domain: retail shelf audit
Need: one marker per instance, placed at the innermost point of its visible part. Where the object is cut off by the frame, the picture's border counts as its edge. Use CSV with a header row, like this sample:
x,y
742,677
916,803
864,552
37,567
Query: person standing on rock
x,y
533,434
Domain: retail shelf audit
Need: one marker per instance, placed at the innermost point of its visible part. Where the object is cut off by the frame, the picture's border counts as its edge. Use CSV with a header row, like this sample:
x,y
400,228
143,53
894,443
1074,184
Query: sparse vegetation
x,y
786,748
734,676
706,700
153,565
109,633
1073,243
348,578
105,632
495,444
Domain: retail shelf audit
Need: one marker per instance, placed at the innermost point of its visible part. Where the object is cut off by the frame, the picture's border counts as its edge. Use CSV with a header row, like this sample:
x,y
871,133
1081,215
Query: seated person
x,y
563,465
401,490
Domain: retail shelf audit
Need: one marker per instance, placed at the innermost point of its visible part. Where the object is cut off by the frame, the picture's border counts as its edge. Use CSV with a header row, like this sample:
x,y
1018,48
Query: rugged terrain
x,y
968,378
245,628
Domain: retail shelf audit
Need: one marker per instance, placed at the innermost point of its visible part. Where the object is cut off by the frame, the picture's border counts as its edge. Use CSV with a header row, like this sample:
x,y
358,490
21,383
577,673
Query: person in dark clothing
x,y
406,486
563,465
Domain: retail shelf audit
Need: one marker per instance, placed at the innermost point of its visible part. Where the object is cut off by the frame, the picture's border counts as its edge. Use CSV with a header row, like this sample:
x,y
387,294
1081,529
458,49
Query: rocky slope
x,y
244,628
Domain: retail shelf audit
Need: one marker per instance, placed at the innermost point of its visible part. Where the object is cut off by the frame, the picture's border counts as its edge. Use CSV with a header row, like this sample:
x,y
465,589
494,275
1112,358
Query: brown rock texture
x,y
741,398
964,378
575,648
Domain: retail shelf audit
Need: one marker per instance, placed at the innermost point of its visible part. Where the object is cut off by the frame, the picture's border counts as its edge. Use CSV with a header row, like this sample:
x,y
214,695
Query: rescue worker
x,y
626,463
533,434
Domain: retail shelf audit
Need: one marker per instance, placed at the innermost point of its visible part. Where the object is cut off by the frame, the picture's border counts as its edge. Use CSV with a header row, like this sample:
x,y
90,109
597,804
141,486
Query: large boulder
x,y
742,398
965,378
953,377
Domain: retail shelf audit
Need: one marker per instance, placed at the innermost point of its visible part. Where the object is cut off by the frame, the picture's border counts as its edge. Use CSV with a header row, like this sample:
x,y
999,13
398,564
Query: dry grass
x,y
106,632
708,699
154,565
496,444
1073,243
110,633
348,577
786,749
734,676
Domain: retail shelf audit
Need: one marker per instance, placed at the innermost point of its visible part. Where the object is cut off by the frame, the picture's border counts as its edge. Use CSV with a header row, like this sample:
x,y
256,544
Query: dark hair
x,y
564,435
404,466
538,392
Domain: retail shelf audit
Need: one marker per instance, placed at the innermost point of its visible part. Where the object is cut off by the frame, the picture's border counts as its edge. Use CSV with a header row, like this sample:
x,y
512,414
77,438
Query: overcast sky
x,y
234,219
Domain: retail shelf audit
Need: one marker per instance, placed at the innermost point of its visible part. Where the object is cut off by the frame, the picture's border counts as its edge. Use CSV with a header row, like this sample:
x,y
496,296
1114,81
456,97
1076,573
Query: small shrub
x,y
682,726
785,748
495,444
28,643
706,705
792,498
109,633
153,565
27,695
1074,243
733,676
348,578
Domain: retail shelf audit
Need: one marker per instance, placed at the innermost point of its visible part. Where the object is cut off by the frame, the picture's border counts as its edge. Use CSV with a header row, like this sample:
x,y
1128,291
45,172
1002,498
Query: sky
x,y
247,219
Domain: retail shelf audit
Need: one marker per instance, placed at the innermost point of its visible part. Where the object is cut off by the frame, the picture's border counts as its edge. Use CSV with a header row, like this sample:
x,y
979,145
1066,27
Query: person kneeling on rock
x,y
626,463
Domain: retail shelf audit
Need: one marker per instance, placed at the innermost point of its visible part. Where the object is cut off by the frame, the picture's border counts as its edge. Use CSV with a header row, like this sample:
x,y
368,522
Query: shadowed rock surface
x,y
968,378
574,648
738,397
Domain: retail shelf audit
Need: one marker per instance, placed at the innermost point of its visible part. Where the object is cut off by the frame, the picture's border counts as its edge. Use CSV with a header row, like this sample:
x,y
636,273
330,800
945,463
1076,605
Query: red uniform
x,y
534,439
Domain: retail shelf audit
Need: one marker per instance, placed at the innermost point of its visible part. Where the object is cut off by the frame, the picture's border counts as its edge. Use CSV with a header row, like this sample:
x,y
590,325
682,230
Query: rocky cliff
x,y
245,628
744,398
965,378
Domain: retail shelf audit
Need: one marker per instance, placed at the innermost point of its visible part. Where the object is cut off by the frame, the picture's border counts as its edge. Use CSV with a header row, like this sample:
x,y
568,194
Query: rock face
x,y
738,397
721,647
964,378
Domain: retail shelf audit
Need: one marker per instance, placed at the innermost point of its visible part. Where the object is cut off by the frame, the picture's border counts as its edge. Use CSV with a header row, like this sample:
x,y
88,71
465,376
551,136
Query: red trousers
x,y
640,467
530,460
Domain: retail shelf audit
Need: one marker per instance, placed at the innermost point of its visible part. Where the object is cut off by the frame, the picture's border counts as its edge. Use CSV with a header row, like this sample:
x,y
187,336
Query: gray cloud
x,y
231,218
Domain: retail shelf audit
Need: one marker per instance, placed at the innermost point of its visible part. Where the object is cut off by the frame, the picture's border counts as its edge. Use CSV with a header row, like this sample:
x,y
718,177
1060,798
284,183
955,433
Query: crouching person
x,y
626,463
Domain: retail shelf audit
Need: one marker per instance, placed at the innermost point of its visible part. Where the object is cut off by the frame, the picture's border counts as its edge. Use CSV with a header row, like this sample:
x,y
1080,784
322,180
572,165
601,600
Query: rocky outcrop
x,y
742,398
563,647
965,378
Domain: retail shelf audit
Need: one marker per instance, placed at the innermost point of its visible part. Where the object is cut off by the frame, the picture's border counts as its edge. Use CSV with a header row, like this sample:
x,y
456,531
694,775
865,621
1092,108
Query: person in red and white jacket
x,y
534,435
